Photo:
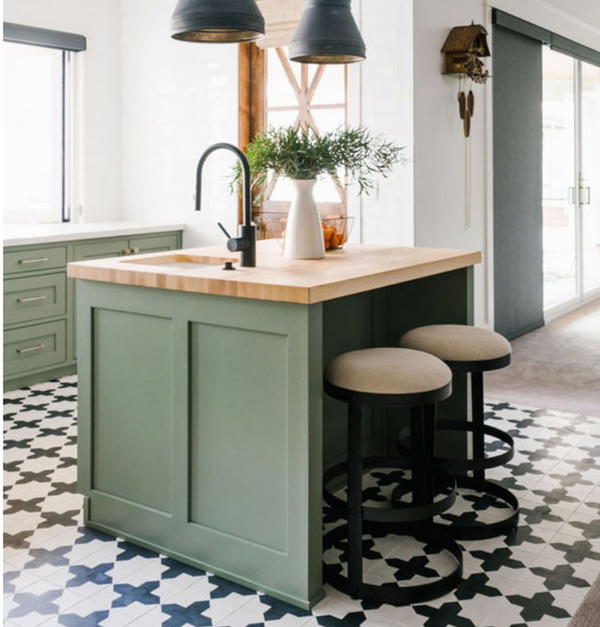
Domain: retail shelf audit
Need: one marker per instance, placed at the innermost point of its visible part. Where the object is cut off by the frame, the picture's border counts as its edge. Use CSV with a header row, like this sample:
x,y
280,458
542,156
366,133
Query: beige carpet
x,y
555,367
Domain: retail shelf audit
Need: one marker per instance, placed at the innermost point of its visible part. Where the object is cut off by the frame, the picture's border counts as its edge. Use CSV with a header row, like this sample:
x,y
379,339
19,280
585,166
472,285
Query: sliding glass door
x,y
571,193
560,267
590,176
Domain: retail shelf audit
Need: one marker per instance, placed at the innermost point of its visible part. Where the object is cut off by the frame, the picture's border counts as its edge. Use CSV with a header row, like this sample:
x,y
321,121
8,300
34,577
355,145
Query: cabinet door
x,y
29,260
34,347
34,298
101,249
155,244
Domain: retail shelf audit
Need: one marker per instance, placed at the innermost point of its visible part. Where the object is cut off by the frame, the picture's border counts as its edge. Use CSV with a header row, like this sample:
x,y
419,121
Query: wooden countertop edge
x,y
193,285
386,278
304,295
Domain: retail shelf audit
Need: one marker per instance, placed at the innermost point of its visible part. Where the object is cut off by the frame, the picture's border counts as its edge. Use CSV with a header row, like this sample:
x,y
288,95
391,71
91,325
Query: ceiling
x,y
585,10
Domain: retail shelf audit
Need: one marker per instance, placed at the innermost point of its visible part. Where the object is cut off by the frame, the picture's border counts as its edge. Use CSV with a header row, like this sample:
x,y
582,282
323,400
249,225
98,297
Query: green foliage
x,y
302,154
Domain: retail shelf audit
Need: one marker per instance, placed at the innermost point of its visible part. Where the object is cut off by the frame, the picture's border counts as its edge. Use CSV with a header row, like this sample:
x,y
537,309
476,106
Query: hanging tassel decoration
x,y
466,104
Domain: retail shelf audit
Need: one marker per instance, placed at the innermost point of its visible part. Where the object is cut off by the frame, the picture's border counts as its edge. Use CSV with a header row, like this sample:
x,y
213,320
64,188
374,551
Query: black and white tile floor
x,y
59,573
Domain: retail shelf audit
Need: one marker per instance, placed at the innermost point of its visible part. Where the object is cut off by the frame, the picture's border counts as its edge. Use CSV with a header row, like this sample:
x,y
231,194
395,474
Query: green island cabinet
x,y
203,426
39,301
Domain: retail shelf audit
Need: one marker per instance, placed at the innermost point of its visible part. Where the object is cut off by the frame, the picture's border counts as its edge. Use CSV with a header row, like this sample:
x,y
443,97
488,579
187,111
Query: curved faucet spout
x,y
246,243
245,168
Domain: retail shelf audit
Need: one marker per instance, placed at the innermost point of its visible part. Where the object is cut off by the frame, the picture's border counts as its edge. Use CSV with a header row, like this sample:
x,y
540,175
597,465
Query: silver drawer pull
x,y
31,349
31,299
38,260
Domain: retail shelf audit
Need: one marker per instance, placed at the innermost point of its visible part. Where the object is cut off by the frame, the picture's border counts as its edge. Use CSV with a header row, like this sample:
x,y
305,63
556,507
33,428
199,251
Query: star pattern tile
x,y
57,572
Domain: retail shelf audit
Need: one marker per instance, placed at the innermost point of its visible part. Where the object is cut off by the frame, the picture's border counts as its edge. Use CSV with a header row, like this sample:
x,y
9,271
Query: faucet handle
x,y
224,230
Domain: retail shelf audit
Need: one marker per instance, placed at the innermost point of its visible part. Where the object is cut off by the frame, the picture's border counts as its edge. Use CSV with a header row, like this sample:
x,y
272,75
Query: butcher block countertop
x,y
357,268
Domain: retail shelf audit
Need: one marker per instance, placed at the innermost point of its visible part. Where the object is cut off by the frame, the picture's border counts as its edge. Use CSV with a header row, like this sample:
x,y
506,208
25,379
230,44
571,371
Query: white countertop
x,y
27,234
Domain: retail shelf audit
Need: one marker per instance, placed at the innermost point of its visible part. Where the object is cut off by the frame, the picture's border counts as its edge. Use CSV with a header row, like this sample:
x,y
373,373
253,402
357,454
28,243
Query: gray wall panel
x,y
518,261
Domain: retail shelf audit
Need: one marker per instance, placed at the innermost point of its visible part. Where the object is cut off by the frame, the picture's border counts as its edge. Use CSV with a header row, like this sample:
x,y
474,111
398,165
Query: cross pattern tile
x,y
57,572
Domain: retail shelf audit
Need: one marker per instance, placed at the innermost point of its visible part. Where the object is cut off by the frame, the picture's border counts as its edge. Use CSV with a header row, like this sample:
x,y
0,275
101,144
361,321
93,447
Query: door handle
x,y
31,349
585,193
31,299
37,260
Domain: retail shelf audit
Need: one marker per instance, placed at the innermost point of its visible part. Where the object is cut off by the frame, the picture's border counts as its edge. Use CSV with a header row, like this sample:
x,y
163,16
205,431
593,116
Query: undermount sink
x,y
181,262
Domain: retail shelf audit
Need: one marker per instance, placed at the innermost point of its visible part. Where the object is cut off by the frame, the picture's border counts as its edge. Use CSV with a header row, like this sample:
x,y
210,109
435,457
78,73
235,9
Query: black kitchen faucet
x,y
246,242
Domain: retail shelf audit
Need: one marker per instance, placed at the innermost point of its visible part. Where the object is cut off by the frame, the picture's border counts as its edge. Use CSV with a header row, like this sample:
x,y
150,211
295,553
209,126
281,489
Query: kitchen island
x,y
203,426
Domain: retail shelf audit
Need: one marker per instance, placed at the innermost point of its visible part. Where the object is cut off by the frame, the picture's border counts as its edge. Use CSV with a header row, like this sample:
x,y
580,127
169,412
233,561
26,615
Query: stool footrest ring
x,y
484,531
399,513
462,466
391,593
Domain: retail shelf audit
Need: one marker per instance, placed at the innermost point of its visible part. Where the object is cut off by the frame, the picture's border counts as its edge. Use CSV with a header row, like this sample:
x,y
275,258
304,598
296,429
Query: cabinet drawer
x,y
38,259
33,298
101,249
37,346
154,244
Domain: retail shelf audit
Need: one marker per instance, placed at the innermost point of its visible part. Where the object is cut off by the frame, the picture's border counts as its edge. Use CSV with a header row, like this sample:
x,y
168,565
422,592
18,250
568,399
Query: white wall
x,y
439,140
381,98
100,97
178,98
440,191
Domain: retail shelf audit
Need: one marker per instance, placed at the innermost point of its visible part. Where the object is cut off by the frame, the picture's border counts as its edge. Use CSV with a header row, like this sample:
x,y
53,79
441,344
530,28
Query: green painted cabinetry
x,y
39,301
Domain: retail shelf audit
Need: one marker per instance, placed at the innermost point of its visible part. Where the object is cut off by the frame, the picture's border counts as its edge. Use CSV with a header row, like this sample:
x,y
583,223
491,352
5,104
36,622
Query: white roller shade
x,y
282,18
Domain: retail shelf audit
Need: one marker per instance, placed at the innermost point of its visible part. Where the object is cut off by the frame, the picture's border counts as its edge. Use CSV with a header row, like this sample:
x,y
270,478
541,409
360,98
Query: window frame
x,y
253,105
69,44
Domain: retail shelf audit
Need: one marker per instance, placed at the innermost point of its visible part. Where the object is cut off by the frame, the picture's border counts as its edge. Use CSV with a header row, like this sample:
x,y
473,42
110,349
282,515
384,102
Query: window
x,y
37,122
278,92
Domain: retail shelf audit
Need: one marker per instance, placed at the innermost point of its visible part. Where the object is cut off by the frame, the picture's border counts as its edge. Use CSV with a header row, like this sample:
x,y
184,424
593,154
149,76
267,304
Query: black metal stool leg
x,y
429,436
478,422
418,443
355,575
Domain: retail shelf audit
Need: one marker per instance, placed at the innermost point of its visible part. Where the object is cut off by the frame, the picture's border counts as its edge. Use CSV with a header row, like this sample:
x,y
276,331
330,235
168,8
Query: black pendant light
x,y
217,21
327,33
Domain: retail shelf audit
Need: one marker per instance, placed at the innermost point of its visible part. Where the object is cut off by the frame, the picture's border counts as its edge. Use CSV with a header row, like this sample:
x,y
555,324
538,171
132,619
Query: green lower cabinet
x,y
191,443
204,429
28,259
35,298
39,298
34,347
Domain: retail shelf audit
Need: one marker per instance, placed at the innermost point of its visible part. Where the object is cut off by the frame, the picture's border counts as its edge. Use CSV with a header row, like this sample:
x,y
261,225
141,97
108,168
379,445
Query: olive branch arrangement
x,y
301,153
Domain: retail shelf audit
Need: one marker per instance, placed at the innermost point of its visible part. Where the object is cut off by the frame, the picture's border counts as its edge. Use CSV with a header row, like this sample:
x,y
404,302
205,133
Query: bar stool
x,y
387,378
475,351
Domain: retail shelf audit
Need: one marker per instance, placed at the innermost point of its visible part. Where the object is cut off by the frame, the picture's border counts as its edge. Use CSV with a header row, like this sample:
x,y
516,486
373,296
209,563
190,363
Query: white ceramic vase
x,y
304,233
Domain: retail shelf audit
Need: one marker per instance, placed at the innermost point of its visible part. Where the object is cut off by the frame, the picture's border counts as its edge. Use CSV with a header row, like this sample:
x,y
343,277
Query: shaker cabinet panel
x,y
33,347
101,249
157,244
35,298
30,260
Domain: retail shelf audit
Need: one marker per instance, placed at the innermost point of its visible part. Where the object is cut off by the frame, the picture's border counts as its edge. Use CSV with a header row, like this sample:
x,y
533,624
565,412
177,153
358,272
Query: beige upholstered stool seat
x,y
388,371
457,343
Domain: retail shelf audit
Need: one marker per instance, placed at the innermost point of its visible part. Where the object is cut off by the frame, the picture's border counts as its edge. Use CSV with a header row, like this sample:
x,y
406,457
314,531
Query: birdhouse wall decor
x,y
464,49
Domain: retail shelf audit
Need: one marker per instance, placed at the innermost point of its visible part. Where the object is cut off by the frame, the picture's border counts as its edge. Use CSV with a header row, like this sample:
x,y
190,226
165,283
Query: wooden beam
x,y
252,96
252,83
